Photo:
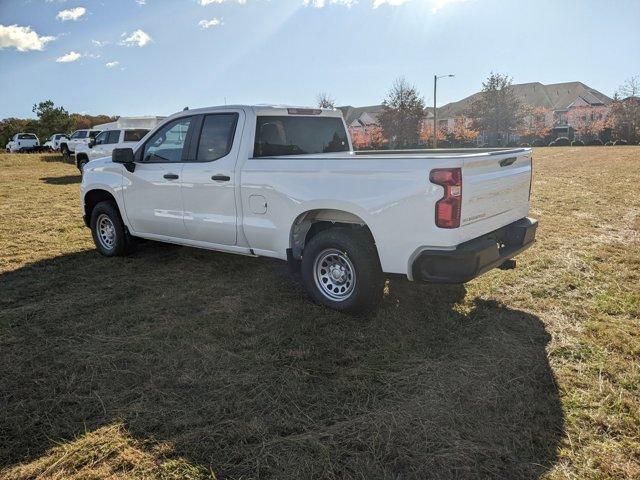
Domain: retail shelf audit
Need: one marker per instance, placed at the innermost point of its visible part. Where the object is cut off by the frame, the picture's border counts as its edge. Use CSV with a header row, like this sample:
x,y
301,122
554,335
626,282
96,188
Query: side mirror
x,y
92,142
124,156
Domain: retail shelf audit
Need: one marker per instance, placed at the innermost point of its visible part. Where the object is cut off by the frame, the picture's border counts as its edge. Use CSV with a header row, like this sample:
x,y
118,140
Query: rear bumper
x,y
476,256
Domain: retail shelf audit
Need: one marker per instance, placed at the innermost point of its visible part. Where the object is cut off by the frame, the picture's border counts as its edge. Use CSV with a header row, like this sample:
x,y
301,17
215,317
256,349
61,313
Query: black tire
x,y
354,249
107,215
65,151
82,161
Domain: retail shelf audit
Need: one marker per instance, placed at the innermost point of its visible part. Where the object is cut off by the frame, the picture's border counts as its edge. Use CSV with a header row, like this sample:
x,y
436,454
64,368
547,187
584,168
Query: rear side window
x,y
134,135
216,137
26,136
292,135
114,137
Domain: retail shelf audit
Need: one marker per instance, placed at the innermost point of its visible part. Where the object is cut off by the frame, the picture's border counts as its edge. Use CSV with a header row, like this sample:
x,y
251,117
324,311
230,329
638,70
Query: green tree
x,y
496,111
51,119
402,114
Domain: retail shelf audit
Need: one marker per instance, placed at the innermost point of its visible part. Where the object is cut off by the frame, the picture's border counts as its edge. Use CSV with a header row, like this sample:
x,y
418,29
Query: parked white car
x,y
53,143
283,182
79,137
23,142
105,142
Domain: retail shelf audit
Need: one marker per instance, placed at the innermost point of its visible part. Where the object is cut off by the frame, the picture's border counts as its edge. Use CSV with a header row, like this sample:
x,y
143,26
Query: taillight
x,y
449,207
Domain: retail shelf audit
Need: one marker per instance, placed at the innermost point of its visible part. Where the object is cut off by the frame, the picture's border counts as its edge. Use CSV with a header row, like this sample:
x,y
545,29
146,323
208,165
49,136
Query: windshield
x,y
291,135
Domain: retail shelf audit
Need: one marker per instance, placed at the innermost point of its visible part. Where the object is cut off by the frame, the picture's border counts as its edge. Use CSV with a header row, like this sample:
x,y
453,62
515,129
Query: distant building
x,y
557,98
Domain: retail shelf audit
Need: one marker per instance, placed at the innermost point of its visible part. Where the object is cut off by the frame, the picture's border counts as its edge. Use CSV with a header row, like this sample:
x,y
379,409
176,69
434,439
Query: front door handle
x,y
221,178
171,176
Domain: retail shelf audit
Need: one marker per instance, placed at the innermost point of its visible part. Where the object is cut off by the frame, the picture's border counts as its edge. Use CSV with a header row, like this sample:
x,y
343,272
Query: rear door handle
x,y
171,176
221,178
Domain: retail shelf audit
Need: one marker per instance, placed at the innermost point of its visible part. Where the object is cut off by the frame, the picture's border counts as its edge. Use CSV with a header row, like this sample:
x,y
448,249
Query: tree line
x,y
498,114
49,120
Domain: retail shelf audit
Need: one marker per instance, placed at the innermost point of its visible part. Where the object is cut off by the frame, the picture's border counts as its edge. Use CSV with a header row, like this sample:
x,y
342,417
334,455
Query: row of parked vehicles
x,y
85,145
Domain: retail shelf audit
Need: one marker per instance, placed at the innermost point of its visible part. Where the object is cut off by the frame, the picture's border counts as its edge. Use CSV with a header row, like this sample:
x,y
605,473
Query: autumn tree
x,y
324,100
367,137
625,111
536,122
462,131
496,111
588,122
402,115
426,132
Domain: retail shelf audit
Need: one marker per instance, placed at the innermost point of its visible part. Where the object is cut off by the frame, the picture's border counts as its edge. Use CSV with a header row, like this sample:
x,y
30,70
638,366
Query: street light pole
x,y
435,115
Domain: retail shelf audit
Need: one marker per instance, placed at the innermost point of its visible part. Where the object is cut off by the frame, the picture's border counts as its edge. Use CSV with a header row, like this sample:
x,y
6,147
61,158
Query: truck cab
x,y
79,137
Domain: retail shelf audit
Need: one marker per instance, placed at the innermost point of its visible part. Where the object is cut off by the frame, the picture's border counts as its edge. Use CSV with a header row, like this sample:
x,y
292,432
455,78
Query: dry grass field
x,y
180,363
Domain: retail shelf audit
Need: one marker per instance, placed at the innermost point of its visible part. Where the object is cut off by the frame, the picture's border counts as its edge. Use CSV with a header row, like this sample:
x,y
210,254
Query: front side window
x,y
216,137
293,135
166,144
113,137
101,139
135,135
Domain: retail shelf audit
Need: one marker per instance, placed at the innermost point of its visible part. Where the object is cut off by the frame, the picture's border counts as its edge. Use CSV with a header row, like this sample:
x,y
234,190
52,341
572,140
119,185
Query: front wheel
x,y
340,269
65,152
109,232
81,164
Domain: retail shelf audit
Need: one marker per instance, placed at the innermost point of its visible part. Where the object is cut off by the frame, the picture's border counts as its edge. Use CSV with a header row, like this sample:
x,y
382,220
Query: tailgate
x,y
495,188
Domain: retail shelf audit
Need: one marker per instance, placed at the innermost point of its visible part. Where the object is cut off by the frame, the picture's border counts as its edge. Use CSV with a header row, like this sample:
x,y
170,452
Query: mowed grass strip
x,y
180,363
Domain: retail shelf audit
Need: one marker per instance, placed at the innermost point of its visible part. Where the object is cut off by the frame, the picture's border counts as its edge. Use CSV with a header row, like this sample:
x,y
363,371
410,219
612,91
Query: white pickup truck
x,y
79,137
284,182
105,142
23,142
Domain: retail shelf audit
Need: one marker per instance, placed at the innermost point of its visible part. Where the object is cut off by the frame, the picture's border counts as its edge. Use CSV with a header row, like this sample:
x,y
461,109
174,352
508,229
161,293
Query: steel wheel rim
x,y
106,231
334,274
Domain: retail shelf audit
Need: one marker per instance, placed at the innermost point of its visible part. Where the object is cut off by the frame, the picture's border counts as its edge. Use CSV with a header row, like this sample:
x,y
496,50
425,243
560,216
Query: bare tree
x,y
630,88
402,114
324,100
625,111
496,111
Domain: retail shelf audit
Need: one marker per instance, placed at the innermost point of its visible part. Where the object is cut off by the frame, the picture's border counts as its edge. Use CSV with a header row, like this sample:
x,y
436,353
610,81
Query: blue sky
x,y
146,57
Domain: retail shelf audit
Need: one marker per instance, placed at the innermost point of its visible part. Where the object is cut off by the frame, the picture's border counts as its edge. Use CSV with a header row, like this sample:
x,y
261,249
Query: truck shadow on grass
x,y
227,359
64,180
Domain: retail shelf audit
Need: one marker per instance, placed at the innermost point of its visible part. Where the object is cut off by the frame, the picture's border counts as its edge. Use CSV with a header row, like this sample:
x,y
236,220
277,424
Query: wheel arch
x,y
311,222
95,196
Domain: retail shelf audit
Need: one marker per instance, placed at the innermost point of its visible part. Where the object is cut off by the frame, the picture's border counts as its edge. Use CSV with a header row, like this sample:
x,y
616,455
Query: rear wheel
x,y
109,232
341,270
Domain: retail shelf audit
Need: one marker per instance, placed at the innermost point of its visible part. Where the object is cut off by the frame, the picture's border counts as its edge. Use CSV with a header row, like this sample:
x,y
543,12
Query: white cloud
x,y
112,64
69,57
138,38
71,14
22,38
204,3
141,2
99,43
214,22
322,3
436,5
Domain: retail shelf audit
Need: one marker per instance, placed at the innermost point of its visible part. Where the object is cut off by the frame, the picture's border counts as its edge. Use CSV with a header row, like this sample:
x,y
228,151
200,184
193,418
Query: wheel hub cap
x,y
106,232
334,274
